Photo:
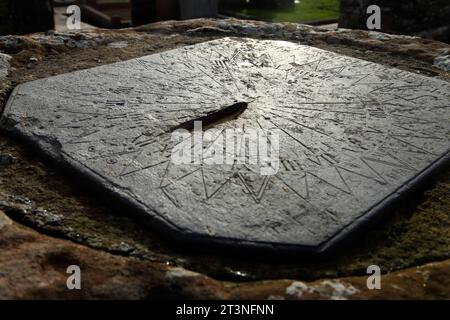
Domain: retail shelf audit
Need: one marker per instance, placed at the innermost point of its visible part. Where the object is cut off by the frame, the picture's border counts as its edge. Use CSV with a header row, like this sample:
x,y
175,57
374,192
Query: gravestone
x,y
353,136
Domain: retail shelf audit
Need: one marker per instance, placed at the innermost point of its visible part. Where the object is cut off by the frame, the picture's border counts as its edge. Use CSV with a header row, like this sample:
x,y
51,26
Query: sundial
x,y
353,137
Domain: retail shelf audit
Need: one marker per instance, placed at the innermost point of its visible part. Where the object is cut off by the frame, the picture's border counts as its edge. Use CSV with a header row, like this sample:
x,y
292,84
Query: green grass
x,y
306,10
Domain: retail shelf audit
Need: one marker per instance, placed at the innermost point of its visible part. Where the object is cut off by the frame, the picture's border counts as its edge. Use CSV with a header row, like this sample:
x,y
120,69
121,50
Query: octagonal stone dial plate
x,y
354,135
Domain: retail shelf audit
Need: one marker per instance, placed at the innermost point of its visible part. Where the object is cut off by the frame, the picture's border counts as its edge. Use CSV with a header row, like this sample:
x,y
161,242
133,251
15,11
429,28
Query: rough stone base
x,y
56,221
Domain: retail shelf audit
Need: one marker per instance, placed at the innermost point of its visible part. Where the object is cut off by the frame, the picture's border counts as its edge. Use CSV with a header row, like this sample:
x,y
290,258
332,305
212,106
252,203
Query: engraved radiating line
x,y
331,162
191,109
182,177
403,163
144,168
332,215
83,112
412,145
206,74
109,155
331,184
382,87
292,189
164,176
152,138
291,112
296,65
423,136
215,139
374,130
70,89
217,82
178,118
210,196
164,94
362,78
310,128
276,93
414,98
363,175
247,187
286,132
320,110
283,162
343,180
73,124
177,85
330,102
440,107
264,131
419,120
341,68
263,186
226,66
316,130
165,103
166,193
373,170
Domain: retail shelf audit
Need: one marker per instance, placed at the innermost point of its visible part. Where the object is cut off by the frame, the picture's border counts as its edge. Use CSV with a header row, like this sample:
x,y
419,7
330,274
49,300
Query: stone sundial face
x,y
353,137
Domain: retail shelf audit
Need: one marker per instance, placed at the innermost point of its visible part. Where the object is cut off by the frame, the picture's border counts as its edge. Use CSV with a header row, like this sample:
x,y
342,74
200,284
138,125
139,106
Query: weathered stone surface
x,y
416,234
354,137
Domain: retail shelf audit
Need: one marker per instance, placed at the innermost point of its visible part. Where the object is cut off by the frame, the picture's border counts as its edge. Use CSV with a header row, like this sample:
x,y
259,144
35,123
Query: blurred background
x,y
425,18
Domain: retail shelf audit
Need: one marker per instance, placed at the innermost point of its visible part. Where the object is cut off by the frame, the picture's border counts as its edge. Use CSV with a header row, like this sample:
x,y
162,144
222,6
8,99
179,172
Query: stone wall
x,y
428,18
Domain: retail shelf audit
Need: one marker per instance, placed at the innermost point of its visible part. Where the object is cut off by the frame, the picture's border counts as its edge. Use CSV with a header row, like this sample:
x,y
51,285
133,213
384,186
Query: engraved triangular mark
x,y
332,173
301,185
257,187
213,188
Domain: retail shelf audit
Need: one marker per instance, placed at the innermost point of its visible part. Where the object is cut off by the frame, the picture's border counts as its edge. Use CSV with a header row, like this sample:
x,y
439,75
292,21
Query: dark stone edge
x,y
183,239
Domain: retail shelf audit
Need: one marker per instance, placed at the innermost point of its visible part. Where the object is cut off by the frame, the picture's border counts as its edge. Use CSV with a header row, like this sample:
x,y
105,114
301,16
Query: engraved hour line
x,y
295,139
177,85
178,179
382,182
206,74
419,120
313,129
195,76
404,163
247,187
348,191
209,196
144,168
306,197
166,193
226,66
423,136
412,145
310,128
321,110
